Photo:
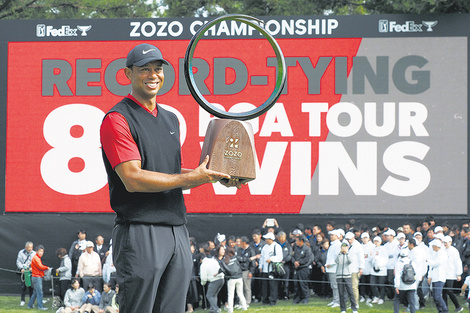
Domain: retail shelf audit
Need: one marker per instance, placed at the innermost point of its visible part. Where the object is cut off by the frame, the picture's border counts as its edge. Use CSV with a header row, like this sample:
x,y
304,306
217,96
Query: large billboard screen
x,y
373,119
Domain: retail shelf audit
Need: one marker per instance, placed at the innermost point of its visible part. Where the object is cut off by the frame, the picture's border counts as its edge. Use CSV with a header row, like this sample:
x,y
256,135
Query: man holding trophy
x,y
142,156
141,151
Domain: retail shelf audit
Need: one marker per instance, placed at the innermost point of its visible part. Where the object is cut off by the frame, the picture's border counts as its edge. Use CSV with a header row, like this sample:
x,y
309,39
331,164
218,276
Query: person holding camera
x,y
343,278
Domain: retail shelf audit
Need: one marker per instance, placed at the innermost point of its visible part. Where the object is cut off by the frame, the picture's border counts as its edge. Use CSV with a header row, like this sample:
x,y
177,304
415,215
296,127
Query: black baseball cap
x,y
144,53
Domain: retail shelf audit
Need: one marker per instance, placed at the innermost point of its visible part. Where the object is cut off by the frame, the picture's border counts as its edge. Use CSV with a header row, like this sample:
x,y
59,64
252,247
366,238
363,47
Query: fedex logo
x,y
65,31
386,26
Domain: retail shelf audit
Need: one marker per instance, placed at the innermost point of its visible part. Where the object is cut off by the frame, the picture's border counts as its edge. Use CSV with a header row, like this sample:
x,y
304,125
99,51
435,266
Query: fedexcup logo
x,y
429,25
64,31
386,26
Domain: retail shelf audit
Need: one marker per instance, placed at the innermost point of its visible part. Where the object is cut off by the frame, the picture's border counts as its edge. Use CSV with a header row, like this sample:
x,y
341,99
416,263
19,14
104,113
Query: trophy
x,y
229,140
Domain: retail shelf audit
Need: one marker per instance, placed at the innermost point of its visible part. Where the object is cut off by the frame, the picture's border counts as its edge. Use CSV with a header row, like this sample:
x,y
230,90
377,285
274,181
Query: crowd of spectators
x,y
355,263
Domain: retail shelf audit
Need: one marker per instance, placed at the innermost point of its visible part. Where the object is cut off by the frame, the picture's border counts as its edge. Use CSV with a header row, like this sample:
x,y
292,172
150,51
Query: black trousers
x,y
269,289
377,286
365,289
447,291
390,289
153,267
23,290
301,278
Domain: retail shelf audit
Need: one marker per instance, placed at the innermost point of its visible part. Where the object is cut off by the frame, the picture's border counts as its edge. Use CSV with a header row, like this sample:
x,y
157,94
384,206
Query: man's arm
x,y
136,179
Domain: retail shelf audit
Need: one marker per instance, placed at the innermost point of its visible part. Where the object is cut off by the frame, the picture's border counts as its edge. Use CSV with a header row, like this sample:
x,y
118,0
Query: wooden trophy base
x,y
231,149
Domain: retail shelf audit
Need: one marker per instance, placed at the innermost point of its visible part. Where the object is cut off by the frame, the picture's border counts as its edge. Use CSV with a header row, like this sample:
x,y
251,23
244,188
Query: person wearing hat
x,y
454,271
419,254
378,276
356,255
364,286
330,265
343,278
391,246
405,292
437,274
142,156
89,267
271,253
302,258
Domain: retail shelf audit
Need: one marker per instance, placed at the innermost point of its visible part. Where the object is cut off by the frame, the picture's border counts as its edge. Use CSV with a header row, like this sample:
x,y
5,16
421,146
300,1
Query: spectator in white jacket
x,y
270,253
391,246
333,251
210,273
404,291
437,273
453,273
356,255
378,276
419,255
367,246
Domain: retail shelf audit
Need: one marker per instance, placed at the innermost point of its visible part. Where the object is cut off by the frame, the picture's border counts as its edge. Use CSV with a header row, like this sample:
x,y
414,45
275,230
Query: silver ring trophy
x,y
229,140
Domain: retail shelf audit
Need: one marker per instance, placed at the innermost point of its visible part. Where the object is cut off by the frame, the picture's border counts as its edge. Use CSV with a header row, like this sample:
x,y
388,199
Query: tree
x,y
75,9
68,9
312,7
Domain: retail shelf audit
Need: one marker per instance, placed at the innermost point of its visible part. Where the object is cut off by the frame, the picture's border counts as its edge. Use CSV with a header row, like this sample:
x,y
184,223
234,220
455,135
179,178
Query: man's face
x,y
316,230
406,229
99,240
351,241
256,237
365,240
146,80
81,236
389,238
402,241
281,238
40,252
299,242
333,237
430,234
418,239
308,232
28,248
89,249
329,227
447,244
106,288
269,241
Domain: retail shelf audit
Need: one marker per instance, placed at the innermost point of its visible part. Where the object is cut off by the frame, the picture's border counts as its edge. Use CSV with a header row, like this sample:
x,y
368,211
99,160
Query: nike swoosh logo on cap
x,y
147,51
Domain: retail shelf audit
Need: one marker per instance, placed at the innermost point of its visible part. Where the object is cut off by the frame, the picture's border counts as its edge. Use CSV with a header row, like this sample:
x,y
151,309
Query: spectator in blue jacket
x,y
91,300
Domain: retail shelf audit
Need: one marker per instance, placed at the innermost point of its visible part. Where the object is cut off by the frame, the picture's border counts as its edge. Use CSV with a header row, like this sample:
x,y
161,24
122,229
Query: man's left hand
x,y
232,182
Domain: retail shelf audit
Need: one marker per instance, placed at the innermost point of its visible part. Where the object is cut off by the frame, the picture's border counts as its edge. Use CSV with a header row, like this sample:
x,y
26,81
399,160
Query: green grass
x,y
317,305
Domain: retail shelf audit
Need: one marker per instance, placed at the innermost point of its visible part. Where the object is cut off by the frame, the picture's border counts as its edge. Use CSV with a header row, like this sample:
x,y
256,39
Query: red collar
x,y
154,112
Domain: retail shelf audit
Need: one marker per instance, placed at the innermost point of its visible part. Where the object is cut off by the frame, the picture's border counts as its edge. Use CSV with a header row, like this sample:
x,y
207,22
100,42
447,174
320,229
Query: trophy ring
x,y
280,79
